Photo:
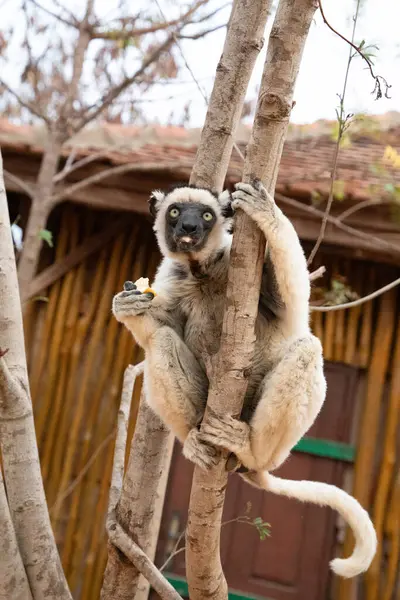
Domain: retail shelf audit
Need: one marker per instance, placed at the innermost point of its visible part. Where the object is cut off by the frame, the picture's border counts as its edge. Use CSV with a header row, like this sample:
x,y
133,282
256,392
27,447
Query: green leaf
x,y
46,236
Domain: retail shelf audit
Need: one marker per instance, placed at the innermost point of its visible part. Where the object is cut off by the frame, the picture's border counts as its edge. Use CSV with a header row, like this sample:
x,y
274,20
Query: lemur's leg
x,y
291,397
285,255
175,384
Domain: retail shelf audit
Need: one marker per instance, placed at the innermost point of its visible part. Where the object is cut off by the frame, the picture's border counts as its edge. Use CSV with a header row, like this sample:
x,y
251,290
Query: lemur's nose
x,y
188,225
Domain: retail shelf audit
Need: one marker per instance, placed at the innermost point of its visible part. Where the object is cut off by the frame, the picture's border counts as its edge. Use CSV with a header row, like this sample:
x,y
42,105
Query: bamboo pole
x,y
366,328
392,530
97,426
228,383
386,474
55,374
81,331
367,439
102,312
142,496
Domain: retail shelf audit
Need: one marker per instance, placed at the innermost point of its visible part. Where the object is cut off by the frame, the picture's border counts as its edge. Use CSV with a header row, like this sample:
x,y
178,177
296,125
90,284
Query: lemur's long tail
x,y
328,495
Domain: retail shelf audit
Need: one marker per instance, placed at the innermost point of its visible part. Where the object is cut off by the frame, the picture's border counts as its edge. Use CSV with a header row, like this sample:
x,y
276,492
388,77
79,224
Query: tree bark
x,y
38,214
228,383
17,436
13,580
140,508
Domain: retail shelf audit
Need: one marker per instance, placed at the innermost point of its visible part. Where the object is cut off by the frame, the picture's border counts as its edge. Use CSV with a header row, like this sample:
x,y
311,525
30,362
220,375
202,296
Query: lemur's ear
x,y
155,200
225,202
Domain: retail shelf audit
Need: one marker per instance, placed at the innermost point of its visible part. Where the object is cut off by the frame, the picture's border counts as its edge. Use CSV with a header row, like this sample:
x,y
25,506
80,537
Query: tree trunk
x,y
17,436
228,384
136,512
38,214
13,581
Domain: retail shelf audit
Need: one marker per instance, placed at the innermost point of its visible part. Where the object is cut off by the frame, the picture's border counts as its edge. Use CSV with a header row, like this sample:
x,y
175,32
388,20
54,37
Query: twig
x,y
123,542
342,121
317,273
80,185
377,78
63,495
54,15
372,240
71,167
365,204
24,186
24,103
359,301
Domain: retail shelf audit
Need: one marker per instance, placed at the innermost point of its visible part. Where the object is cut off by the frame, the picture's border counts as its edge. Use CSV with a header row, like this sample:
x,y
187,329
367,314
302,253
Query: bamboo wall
x,y
77,354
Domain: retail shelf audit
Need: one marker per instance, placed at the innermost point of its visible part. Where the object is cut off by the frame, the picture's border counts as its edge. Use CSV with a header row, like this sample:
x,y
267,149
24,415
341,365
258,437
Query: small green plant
x,y
46,236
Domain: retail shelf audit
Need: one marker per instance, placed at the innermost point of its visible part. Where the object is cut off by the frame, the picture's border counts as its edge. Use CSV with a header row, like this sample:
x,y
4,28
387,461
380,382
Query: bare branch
x,y
361,205
70,166
131,33
115,532
68,490
359,301
201,34
119,170
317,273
377,78
26,104
25,187
131,372
141,561
55,15
373,241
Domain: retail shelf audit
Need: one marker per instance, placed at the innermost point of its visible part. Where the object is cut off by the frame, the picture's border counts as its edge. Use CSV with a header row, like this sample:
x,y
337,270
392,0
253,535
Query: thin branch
x,y
25,187
116,534
373,241
317,273
361,205
342,122
67,170
359,301
80,185
54,15
115,35
24,103
68,490
201,34
376,78
131,372
140,560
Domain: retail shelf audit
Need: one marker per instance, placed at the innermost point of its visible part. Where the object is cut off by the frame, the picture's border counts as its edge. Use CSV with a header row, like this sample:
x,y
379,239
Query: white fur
x,y
286,388
324,494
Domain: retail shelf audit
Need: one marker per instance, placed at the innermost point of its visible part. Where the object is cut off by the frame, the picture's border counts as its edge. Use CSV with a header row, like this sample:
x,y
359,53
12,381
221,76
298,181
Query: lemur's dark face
x,y
188,226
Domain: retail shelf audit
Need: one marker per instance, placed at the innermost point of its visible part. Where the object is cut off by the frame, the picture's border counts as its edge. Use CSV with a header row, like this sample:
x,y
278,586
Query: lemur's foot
x,y
253,199
200,453
130,302
226,432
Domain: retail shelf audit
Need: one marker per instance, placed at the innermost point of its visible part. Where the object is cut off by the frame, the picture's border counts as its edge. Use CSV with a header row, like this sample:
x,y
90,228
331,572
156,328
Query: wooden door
x,y
293,563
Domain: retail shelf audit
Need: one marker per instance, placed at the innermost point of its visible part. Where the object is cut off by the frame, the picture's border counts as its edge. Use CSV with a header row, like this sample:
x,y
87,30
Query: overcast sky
x,y
322,70
321,74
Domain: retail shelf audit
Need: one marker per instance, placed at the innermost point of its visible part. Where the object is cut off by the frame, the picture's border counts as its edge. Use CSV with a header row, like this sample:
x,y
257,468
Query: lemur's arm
x,y
285,269
144,314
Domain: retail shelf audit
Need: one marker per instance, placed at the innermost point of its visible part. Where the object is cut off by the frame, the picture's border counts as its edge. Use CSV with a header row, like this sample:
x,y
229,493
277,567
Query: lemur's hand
x,y
254,200
130,302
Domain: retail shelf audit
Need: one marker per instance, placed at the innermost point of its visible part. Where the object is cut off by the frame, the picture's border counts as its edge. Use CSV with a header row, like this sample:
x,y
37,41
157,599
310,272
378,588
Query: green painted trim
x,y
181,586
326,448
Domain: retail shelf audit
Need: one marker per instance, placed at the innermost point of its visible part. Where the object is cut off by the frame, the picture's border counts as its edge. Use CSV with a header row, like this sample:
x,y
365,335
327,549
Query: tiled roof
x,y
306,161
